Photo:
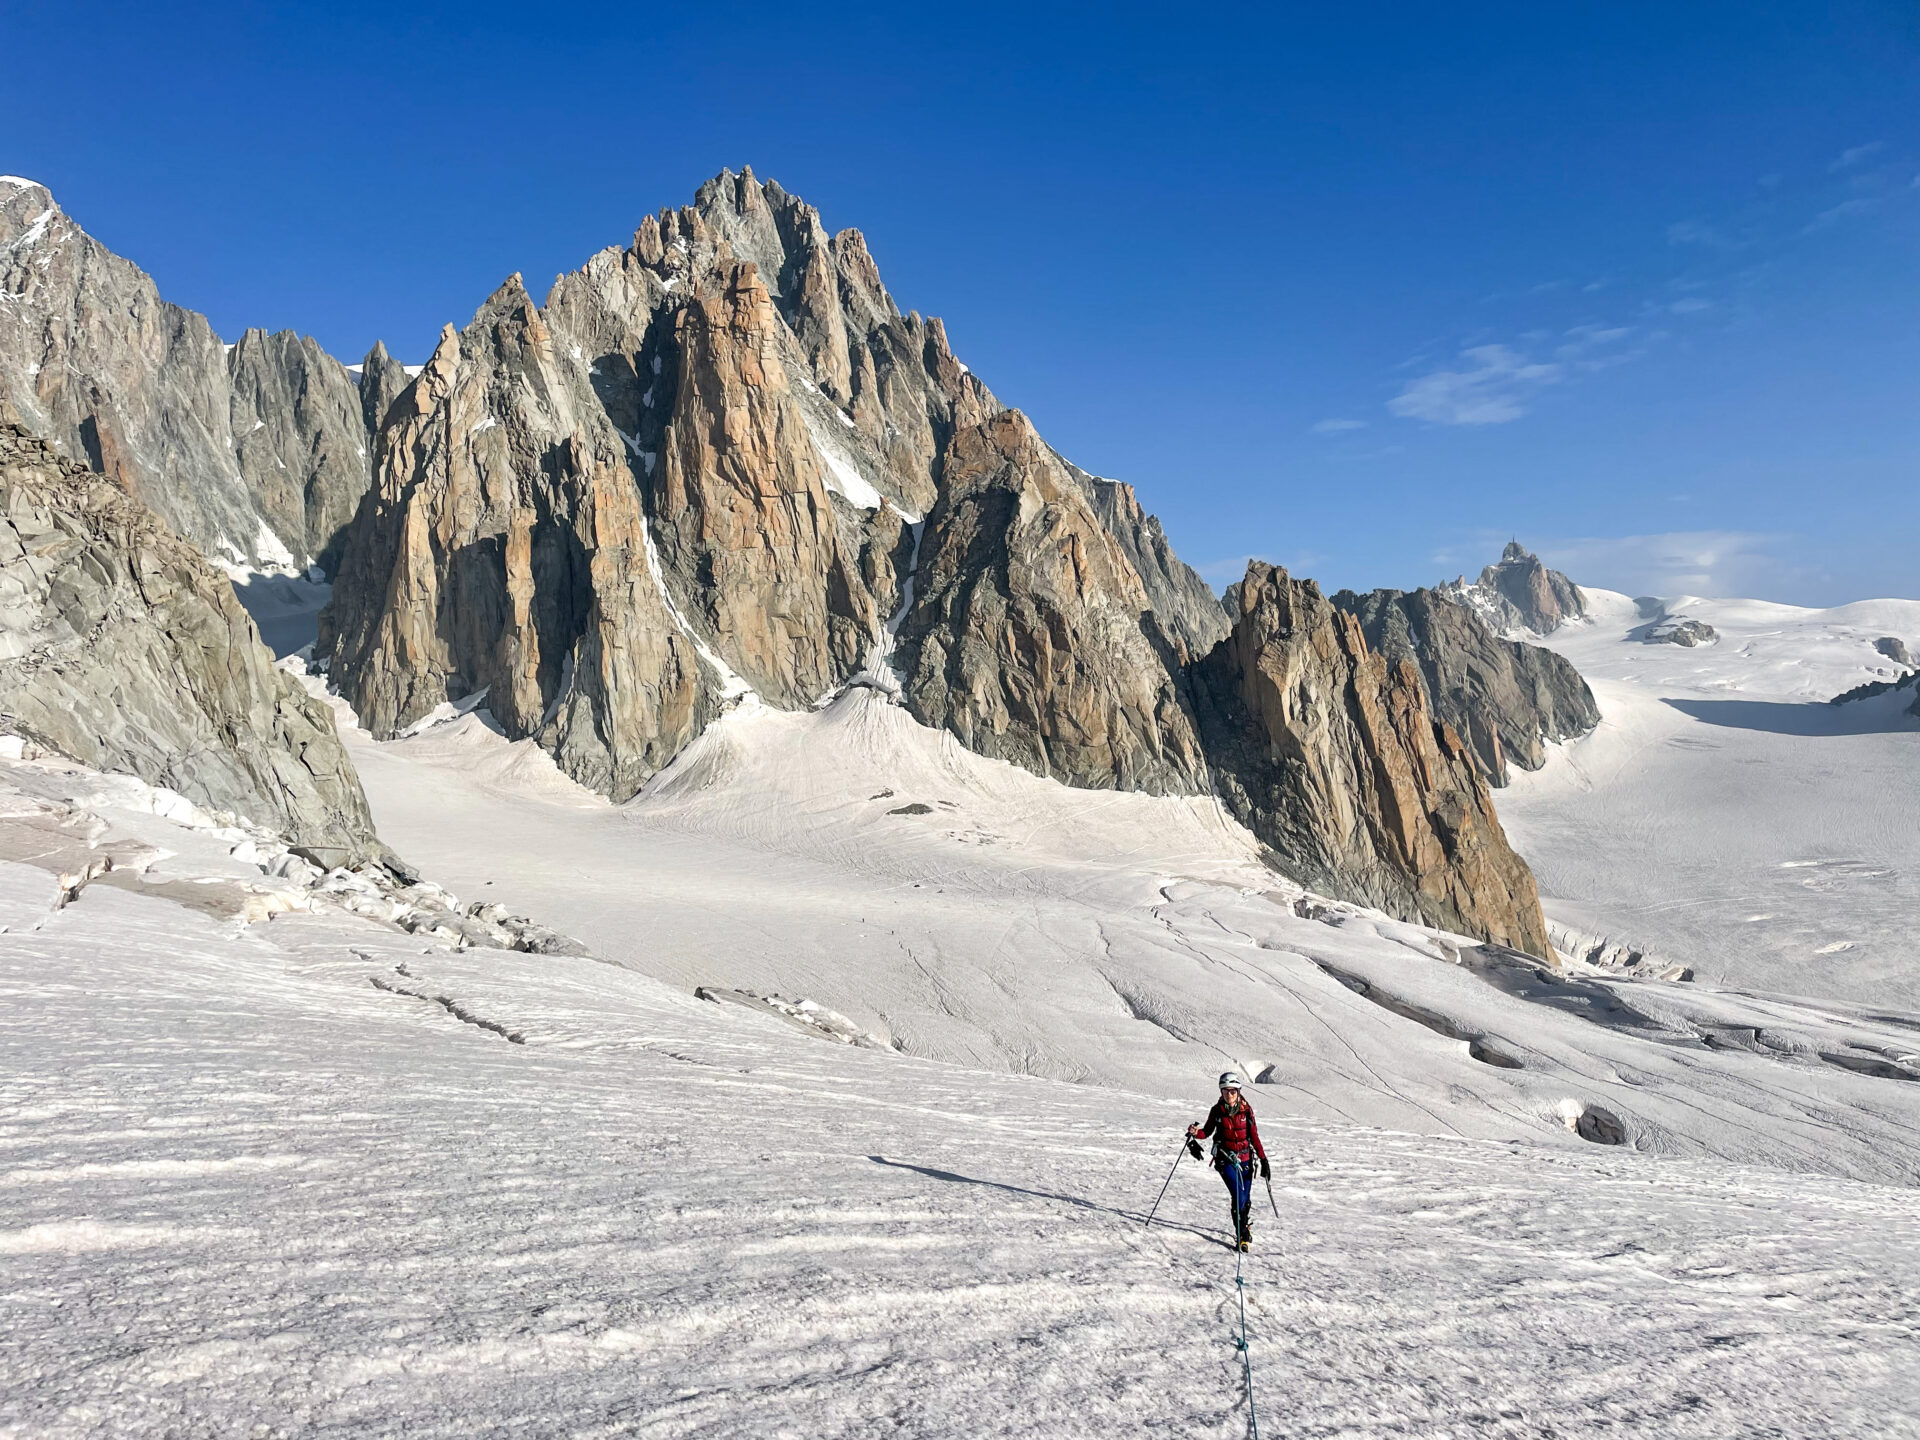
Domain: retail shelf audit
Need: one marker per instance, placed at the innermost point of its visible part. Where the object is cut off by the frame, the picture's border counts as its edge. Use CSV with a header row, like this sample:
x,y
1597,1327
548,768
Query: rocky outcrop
x,y
503,548
121,647
893,376
256,452
779,423
1031,636
1908,682
1520,593
1330,755
1679,630
382,378
1508,700
1895,649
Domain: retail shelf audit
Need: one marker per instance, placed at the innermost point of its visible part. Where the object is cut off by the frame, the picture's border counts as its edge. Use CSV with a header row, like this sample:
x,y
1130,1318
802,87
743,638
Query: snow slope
x,y
314,1176
963,910
1722,815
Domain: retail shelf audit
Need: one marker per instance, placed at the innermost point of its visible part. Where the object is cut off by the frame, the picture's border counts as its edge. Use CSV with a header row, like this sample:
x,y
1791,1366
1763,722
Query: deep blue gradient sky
x,y
1361,288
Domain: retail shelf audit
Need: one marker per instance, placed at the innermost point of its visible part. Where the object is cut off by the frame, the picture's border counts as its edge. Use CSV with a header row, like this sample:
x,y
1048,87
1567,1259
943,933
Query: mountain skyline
x,y
1667,340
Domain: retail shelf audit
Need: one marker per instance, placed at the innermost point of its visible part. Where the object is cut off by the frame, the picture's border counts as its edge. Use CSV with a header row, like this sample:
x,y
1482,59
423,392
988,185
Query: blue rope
x,y
1246,1356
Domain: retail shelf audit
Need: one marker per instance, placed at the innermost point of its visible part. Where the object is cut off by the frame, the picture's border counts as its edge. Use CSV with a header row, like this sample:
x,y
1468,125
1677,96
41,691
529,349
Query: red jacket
x,y
1236,1129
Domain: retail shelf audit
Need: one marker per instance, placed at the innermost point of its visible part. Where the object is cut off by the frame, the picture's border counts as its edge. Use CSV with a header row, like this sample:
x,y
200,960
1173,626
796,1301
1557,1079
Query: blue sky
x,y
1362,292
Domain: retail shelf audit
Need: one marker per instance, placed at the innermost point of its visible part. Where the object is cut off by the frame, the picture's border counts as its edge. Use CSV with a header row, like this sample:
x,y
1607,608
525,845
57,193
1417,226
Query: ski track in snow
x,y
1725,817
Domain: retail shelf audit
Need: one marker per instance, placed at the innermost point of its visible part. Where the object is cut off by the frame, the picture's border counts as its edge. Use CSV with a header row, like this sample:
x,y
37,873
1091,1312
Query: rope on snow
x,y
1246,1356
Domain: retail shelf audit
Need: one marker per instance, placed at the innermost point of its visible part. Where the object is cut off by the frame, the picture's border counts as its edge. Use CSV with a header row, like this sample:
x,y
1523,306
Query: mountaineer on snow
x,y
1236,1145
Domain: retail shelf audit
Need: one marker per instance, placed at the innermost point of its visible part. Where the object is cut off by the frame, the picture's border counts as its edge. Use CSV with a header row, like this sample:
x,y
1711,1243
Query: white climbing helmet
x,y
1231,1080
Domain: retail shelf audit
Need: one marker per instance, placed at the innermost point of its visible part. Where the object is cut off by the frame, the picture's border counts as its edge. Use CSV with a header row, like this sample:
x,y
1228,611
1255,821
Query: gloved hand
x,y
1193,1148
1266,1168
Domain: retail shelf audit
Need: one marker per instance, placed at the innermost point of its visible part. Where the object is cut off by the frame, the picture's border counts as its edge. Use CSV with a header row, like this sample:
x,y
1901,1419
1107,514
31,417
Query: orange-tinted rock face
x,y
742,508
1331,756
737,388
1507,699
503,548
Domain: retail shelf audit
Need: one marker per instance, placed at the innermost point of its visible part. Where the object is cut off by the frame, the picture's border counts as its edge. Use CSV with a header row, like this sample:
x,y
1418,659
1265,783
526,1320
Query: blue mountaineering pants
x,y
1237,1171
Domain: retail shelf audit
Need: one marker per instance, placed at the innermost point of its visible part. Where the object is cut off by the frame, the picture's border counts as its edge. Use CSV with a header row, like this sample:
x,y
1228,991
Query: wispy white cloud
x,y
1689,305
1335,427
1856,155
1491,386
1676,562
1596,347
1845,210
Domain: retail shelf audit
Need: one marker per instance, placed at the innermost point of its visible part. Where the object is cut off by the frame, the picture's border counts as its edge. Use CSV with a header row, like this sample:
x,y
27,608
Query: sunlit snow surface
x,y
965,910
317,1176
1723,815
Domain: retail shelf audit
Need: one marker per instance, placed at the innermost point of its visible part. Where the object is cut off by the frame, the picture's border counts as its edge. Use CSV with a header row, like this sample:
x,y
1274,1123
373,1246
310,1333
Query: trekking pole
x,y
1163,1189
1270,1199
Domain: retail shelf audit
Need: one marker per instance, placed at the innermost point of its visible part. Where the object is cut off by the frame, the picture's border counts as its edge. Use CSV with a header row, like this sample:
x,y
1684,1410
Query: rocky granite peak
x,y
1521,593
1507,699
744,517
1031,635
721,462
382,378
257,452
503,548
894,376
122,648
1329,753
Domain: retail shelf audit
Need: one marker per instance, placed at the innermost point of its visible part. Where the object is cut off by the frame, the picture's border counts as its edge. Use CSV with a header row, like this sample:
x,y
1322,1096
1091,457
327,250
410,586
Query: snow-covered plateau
x,y
285,1154
1723,815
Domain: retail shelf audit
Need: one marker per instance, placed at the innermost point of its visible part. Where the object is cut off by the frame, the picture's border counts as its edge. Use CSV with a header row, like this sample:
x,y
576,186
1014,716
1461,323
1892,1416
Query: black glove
x,y
1193,1148
1266,1168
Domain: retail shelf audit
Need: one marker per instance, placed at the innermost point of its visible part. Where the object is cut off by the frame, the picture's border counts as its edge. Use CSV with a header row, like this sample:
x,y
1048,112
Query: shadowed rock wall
x,y
121,647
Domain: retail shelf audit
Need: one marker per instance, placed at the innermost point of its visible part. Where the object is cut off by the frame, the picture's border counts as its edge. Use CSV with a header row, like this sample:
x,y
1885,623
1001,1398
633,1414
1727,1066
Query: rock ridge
x,y
722,466
1507,699
1520,593
257,452
124,649
1329,754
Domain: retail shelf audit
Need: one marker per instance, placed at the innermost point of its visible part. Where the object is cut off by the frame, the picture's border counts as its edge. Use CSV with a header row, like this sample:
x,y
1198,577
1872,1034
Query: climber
x,y
1236,1145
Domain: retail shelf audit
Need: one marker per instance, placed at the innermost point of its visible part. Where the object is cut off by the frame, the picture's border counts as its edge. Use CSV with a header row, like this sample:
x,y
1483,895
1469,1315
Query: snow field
x,y
964,910
269,1166
244,1191
1722,815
